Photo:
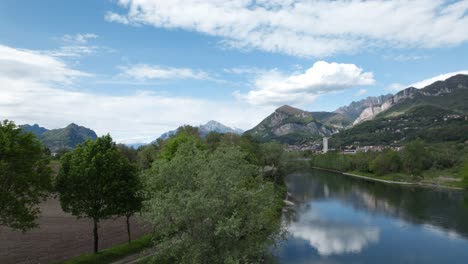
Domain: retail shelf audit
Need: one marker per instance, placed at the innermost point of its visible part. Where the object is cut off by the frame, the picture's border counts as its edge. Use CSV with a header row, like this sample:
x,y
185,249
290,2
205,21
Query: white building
x,y
325,145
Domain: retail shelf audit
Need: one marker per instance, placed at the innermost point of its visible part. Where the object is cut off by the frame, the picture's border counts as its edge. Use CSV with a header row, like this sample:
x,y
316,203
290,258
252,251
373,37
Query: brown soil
x,y
60,236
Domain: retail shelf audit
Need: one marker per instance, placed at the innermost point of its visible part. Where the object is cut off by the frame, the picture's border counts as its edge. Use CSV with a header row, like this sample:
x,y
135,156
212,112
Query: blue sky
x,y
137,68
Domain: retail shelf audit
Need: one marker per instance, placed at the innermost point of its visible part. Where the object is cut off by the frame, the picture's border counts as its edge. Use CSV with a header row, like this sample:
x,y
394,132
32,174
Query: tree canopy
x,y
93,179
210,207
24,176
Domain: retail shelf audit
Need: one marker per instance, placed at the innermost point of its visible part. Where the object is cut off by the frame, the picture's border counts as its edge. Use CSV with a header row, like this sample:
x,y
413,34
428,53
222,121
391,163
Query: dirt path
x,y
60,236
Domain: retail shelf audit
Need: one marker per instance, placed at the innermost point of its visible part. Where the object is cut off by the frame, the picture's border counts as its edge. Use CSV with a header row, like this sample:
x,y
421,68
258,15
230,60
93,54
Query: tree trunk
x,y
128,229
96,236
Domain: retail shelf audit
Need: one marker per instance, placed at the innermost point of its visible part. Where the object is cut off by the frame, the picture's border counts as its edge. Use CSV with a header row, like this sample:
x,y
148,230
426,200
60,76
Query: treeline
x,y
208,200
415,158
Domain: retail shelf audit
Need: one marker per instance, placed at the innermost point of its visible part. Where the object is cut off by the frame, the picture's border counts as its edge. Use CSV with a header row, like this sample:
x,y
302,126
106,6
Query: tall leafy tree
x,y
24,177
210,207
92,181
129,200
415,157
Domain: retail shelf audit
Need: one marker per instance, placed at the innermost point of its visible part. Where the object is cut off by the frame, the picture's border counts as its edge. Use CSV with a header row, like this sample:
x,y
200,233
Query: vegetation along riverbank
x,y
418,163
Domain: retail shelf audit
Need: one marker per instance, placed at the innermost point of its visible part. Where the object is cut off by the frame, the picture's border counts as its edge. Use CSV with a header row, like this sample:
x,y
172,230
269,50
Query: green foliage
x,y
128,152
145,156
114,253
210,206
24,177
386,162
361,161
93,181
184,135
464,174
415,158
333,161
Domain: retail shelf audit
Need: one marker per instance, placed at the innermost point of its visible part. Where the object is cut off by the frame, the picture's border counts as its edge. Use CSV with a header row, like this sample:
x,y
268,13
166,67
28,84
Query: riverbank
x,y
404,183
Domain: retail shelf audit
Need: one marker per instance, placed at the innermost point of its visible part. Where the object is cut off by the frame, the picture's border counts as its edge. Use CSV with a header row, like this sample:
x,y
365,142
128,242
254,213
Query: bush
x,y
386,162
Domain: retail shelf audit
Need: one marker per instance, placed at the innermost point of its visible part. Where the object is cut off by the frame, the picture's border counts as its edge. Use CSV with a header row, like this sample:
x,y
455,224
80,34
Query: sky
x,y
138,68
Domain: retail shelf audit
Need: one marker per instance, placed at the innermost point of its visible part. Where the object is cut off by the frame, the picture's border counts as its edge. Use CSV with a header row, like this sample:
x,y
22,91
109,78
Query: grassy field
x,y
114,253
445,178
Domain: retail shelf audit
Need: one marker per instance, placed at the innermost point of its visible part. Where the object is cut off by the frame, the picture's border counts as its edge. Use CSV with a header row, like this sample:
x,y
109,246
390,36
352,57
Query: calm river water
x,y
340,219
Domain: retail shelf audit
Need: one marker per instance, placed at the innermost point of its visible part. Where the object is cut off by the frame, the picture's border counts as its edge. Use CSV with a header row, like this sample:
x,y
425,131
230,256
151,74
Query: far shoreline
x,y
424,185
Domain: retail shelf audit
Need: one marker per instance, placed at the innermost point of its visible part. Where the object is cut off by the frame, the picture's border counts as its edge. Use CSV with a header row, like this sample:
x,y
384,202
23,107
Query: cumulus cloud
x,y
32,92
276,88
308,28
155,72
421,84
332,238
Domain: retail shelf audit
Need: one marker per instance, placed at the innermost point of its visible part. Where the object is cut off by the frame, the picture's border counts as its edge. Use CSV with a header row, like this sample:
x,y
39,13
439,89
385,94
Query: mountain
x,y
356,108
35,129
68,137
435,113
214,126
450,94
294,126
210,126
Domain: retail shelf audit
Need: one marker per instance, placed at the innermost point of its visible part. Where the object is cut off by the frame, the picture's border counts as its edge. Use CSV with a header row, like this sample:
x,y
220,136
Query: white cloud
x,y
72,51
361,92
330,237
155,72
113,17
405,57
395,87
79,38
441,77
27,65
308,28
30,94
276,88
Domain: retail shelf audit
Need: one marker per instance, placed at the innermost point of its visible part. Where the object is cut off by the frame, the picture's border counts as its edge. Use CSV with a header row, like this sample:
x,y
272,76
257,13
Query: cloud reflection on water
x,y
330,237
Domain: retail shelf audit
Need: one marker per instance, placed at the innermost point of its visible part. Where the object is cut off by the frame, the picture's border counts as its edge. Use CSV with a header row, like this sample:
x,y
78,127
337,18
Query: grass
x,y
447,178
114,253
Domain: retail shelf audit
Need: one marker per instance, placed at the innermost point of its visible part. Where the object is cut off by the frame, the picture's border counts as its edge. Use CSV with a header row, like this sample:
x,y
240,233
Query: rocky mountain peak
x,y
289,110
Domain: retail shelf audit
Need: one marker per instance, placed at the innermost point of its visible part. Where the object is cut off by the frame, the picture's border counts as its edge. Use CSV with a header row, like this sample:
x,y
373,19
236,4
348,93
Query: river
x,y
341,219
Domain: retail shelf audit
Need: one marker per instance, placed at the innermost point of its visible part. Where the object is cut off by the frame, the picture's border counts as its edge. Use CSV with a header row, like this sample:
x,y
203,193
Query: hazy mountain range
x,y
62,138
436,112
210,126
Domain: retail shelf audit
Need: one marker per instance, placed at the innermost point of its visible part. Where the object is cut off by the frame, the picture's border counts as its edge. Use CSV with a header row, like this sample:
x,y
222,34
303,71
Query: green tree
x,y
92,181
184,134
146,156
386,162
24,177
271,156
130,198
129,152
415,157
210,207
464,174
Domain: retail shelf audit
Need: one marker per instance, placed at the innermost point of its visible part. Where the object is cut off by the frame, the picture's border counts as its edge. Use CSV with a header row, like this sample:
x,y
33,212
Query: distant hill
x,y
294,126
435,113
210,126
68,137
35,129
